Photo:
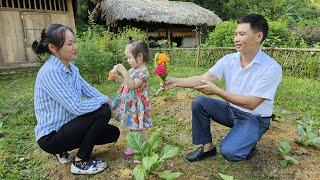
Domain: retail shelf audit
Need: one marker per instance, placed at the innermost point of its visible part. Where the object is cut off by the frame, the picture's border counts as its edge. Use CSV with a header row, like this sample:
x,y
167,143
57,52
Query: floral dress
x,y
133,107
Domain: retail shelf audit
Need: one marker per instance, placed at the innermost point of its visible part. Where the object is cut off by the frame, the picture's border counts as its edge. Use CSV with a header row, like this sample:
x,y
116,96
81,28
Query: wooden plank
x,y
19,4
2,41
7,20
29,4
19,54
71,16
30,55
24,4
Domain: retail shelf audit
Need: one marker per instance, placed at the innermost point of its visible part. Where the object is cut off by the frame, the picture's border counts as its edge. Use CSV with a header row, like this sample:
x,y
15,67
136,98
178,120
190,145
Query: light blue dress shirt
x,y
260,78
61,95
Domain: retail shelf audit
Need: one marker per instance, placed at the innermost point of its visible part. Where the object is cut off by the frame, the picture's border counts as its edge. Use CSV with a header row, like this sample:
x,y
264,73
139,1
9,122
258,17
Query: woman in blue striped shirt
x,y
70,113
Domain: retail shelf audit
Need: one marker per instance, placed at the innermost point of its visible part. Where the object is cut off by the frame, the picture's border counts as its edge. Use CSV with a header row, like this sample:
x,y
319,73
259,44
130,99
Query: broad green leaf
x,y
168,152
283,164
225,177
291,159
285,147
316,141
139,172
307,118
168,175
154,141
136,142
150,163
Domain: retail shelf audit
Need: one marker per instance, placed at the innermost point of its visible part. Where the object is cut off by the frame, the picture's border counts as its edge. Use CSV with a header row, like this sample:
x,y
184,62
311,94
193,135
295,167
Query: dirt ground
x,y
264,165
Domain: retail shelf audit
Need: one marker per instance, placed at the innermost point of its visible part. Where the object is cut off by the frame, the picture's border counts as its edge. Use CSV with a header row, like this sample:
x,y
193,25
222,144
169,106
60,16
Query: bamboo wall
x,y
21,22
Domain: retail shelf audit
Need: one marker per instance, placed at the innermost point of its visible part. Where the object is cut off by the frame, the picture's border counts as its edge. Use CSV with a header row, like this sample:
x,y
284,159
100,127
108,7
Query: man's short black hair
x,y
257,23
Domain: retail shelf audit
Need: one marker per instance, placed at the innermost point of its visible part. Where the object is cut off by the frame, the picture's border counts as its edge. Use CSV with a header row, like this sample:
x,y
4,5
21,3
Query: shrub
x,y
93,61
222,36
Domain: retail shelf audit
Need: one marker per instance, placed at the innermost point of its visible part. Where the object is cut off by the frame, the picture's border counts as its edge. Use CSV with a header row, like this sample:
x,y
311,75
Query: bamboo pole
x,y
198,36
169,38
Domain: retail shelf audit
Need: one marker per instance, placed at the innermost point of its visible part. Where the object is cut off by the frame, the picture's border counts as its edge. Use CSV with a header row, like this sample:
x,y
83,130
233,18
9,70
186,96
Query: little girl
x,y
131,103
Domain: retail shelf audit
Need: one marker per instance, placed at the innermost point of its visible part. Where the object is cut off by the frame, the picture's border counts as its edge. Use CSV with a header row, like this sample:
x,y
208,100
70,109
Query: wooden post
x,y
198,36
169,38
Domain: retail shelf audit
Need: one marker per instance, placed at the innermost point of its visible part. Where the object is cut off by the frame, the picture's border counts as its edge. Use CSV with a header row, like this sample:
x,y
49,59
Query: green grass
x,y
296,96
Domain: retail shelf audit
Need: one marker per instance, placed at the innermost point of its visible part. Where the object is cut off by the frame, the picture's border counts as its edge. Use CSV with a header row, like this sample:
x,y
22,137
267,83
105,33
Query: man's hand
x,y
208,88
170,83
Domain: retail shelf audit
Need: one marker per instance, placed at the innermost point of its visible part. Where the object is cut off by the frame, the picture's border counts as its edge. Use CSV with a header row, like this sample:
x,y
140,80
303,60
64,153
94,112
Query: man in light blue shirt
x,y
251,78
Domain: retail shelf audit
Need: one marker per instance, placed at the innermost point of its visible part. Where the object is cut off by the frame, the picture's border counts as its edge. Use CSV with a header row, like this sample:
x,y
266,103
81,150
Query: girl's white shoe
x,y
64,157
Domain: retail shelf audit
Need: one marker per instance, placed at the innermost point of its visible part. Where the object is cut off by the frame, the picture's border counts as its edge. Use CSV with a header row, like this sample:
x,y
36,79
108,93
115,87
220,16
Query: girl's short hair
x,y
54,34
139,46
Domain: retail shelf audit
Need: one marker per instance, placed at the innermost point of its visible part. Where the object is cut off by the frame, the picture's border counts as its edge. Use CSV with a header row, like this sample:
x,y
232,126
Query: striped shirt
x,y
61,95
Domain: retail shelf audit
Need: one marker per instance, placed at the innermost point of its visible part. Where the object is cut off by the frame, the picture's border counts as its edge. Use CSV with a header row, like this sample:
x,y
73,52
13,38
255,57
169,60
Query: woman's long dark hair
x,y
54,34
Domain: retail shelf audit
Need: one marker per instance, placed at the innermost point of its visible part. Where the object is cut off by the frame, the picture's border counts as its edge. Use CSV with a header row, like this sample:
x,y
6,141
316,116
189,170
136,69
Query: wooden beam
x,y
19,4
50,5
59,4
63,5
45,4
55,4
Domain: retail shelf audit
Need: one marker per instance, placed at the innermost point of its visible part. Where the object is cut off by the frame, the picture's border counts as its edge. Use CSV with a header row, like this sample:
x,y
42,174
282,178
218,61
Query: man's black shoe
x,y
199,154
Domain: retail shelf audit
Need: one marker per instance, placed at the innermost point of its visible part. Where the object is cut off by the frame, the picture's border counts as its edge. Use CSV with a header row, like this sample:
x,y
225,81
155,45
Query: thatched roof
x,y
159,11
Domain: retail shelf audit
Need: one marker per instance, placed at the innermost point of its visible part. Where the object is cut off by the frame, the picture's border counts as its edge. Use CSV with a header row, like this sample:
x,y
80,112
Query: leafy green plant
x,y
307,137
308,121
145,151
284,149
278,113
306,131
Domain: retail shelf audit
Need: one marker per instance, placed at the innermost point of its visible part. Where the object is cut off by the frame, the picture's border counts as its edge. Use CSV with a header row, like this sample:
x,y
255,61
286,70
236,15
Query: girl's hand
x,y
121,69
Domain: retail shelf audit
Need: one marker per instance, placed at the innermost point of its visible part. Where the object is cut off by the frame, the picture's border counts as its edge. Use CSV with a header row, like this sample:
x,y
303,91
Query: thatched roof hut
x,y
161,11
159,17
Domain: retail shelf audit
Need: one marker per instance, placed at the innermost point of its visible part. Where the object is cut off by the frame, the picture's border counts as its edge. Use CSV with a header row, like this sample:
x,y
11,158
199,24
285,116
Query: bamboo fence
x,y
294,61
